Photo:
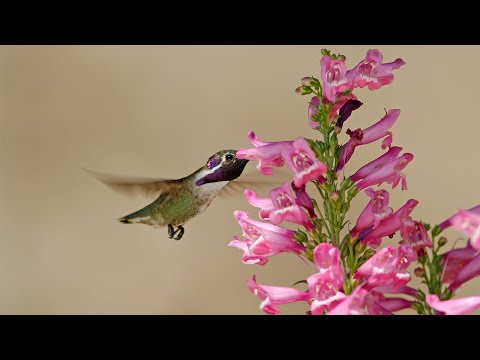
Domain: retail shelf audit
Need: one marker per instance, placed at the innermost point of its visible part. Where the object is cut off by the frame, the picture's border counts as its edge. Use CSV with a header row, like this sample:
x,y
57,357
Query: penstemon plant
x,y
355,275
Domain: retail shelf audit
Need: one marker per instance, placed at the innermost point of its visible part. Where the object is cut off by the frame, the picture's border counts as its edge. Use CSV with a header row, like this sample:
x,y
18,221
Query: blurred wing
x,y
132,186
235,188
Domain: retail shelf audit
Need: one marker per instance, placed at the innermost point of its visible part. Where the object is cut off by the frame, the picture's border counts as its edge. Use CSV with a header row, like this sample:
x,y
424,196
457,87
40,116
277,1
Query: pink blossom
x,y
342,100
325,286
462,306
389,226
375,211
416,236
372,73
262,240
312,110
301,159
386,267
281,206
460,266
468,223
267,154
447,223
367,136
334,78
353,304
378,304
379,170
304,199
272,296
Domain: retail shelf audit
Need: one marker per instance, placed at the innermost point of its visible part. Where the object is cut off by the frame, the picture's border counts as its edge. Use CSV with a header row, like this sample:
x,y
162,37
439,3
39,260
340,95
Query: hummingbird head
x,y
222,166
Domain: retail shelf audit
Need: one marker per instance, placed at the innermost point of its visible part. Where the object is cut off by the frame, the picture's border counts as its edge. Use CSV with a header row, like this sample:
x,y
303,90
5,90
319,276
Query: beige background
x,y
162,111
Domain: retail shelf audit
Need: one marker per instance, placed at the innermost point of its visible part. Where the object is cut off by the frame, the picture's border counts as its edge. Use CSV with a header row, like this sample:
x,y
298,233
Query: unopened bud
x,y
310,81
419,272
442,241
303,90
341,58
334,196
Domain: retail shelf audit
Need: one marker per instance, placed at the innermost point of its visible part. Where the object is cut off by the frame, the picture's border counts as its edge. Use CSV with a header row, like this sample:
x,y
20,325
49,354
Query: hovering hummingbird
x,y
180,200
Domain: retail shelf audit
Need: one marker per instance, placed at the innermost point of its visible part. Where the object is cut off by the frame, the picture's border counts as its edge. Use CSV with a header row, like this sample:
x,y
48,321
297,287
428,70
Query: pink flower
x,y
468,223
386,267
334,78
447,223
372,73
325,286
267,154
416,236
262,240
460,266
461,306
345,112
389,226
367,136
353,304
375,211
384,169
312,110
272,296
304,199
281,206
301,159
342,100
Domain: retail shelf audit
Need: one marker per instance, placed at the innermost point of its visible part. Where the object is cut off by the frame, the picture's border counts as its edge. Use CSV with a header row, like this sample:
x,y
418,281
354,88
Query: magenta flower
x,y
468,223
389,226
462,306
312,110
334,78
301,159
386,267
281,206
342,100
447,223
386,168
460,266
353,304
378,304
416,236
367,136
372,73
374,213
267,154
304,199
325,286
262,240
272,296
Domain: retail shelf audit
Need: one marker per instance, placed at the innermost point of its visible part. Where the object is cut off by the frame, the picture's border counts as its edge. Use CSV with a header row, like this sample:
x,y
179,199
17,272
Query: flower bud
x,y
419,272
341,58
310,81
442,241
334,196
303,90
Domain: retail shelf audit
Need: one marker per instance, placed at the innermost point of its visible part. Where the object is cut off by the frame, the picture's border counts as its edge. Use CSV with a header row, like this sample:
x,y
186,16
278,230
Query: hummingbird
x,y
180,200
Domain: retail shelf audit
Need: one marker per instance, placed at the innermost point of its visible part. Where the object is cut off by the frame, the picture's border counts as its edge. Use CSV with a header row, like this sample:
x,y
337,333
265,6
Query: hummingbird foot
x,y
171,232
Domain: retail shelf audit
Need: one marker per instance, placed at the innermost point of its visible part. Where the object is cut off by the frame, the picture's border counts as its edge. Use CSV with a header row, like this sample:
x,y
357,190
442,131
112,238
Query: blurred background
x,y
161,111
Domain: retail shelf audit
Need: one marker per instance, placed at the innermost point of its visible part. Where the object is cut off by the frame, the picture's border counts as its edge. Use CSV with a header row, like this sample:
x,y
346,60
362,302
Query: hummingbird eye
x,y
229,157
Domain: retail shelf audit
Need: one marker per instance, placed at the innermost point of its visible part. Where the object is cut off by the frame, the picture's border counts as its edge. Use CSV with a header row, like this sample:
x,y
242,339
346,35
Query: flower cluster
x,y
355,275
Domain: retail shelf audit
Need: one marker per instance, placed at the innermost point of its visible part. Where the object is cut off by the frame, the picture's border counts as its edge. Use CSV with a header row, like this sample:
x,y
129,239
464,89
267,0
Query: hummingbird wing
x,y
148,187
235,187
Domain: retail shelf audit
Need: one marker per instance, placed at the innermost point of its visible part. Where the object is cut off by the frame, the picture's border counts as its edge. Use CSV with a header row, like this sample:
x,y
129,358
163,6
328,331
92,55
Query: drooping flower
x,y
375,211
372,73
267,154
416,236
353,304
301,159
376,164
262,240
378,304
272,296
447,223
462,306
389,226
345,112
468,223
325,286
281,206
334,78
388,266
367,136
342,100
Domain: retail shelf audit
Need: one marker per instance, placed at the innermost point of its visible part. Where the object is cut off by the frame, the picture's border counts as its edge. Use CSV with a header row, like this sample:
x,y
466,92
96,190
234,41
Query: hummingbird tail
x,y
124,220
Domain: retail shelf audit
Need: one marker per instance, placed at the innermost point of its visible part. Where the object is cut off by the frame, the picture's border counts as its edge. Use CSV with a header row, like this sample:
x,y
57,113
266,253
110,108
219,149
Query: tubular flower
x,y
462,306
334,78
